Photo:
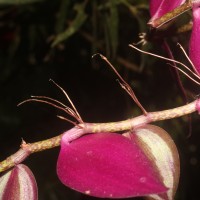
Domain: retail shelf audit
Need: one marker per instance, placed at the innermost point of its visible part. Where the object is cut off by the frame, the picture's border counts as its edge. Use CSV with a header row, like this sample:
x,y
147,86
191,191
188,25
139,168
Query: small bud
x,y
18,184
108,165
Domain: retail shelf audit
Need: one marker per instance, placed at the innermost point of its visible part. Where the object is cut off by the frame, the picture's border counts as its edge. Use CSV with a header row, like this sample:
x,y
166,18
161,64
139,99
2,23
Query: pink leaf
x,y
107,165
18,184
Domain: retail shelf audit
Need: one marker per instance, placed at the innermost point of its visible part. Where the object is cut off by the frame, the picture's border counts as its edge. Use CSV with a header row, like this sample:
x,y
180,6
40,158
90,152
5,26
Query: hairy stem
x,y
29,148
142,119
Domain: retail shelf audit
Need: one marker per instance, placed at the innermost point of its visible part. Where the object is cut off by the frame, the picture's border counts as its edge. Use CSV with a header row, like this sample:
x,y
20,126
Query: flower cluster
x,y
159,8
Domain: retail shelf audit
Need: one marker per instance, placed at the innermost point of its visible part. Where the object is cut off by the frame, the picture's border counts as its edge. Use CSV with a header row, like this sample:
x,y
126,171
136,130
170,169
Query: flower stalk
x,y
28,148
129,124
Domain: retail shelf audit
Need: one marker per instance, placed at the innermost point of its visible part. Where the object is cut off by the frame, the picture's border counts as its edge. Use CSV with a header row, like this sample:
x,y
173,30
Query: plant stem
x,y
171,15
142,119
28,148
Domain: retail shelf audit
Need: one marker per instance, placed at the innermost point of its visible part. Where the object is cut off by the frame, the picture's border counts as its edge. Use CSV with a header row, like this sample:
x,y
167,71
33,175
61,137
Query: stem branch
x,y
29,148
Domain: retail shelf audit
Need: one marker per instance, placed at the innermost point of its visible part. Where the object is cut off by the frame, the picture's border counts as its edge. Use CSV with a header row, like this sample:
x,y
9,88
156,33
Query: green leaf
x,y
17,2
62,14
74,27
112,27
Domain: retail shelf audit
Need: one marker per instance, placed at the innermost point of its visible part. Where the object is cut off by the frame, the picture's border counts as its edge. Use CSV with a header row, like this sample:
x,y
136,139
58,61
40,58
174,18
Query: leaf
x,y
18,2
74,26
61,18
112,25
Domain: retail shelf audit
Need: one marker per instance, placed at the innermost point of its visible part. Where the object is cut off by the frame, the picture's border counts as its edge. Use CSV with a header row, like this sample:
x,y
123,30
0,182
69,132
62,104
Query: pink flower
x,y
110,165
194,46
160,7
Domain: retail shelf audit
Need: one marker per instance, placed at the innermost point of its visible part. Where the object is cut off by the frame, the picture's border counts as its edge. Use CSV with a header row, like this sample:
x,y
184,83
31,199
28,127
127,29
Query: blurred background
x,y
56,39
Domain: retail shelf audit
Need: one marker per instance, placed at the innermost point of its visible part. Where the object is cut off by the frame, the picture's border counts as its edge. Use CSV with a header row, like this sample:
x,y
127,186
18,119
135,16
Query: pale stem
x,y
29,148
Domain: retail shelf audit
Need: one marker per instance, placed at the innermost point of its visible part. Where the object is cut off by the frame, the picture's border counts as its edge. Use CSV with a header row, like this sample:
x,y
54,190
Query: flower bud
x,y
18,184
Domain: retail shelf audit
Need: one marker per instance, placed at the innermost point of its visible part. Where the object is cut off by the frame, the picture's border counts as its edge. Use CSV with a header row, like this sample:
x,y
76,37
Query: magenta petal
x,y
153,6
158,8
194,46
107,165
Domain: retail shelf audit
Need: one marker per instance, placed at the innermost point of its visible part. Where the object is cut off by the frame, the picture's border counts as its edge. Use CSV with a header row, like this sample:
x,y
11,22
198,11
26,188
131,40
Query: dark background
x,y
31,54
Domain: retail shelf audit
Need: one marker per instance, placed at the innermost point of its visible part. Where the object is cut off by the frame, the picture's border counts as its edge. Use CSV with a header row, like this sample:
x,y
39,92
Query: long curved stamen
x,y
67,110
183,50
192,79
124,84
168,59
49,98
70,101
